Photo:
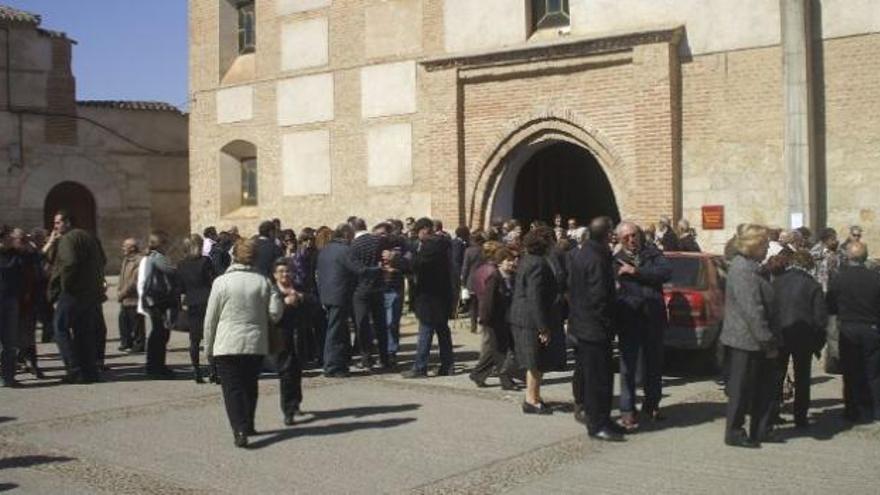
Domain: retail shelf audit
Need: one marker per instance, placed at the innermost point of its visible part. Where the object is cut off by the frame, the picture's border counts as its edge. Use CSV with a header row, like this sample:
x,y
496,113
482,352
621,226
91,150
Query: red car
x,y
695,301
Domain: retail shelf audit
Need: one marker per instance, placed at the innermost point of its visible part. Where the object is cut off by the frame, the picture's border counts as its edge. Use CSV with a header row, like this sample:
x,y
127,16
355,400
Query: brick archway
x,y
522,137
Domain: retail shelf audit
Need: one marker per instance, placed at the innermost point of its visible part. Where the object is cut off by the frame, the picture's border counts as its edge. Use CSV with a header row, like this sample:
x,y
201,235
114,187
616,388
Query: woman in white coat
x,y
242,309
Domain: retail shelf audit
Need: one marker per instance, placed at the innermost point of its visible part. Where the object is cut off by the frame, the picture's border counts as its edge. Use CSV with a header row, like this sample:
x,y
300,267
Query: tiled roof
x,y
150,106
14,15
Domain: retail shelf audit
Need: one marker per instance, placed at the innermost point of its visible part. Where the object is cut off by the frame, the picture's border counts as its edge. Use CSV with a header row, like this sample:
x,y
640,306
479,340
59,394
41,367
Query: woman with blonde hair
x,y
195,274
242,308
751,341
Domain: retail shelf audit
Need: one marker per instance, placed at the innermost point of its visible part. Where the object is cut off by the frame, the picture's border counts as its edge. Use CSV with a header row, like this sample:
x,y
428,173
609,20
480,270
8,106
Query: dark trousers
x,y
751,389
641,351
802,360
157,341
423,349
239,378
311,328
8,337
76,334
594,360
369,317
337,345
474,313
196,319
860,360
289,374
131,328
100,336
495,355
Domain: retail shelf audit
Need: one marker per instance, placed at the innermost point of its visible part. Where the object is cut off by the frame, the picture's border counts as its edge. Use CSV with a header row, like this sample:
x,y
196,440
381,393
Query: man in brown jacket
x,y
131,324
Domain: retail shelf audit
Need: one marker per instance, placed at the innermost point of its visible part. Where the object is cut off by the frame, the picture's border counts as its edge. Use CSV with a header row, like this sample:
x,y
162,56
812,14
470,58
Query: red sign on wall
x,y
713,217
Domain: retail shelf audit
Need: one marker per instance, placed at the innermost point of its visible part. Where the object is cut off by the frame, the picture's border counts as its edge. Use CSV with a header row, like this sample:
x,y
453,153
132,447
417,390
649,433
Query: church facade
x,y
737,111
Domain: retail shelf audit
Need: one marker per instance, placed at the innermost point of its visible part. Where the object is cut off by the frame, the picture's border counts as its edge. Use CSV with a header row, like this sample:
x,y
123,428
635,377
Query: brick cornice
x,y
556,50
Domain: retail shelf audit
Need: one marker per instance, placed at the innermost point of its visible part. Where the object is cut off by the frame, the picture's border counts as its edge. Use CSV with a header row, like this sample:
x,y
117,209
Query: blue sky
x,y
127,49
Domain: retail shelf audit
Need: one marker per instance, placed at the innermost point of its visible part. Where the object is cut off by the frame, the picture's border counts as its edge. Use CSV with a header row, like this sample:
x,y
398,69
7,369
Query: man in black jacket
x,y
641,272
801,315
11,286
854,296
591,299
367,301
267,250
433,298
337,274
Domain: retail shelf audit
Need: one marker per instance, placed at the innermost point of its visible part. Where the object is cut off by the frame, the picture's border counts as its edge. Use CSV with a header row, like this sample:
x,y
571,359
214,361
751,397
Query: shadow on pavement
x,y
332,429
5,487
6,419
827,424
31,460
686,414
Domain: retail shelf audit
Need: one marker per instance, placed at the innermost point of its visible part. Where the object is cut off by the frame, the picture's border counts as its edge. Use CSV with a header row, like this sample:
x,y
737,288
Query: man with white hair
x,y
666,238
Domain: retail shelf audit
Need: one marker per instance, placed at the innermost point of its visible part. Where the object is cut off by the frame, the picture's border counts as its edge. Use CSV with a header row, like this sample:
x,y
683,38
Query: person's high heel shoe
x,y
539,408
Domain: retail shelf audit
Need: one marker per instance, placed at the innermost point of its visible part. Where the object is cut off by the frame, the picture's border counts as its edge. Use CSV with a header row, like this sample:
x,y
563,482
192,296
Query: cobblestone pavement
x,y
384,434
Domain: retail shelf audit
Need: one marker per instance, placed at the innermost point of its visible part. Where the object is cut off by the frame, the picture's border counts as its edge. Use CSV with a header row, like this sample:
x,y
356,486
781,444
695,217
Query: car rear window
x,y
687,272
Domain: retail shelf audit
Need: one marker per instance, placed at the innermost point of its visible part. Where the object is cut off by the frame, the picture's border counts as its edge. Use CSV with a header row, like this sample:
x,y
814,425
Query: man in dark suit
x,y
591,295
337,275
267,250
367,301
854,296
433,298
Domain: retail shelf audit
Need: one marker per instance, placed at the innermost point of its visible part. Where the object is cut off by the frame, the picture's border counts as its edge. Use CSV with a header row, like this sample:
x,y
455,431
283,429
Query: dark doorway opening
x,y
77,200
566,179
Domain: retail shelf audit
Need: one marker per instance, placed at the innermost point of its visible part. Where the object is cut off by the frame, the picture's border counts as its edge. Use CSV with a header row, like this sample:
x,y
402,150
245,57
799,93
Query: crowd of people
x,y
331,299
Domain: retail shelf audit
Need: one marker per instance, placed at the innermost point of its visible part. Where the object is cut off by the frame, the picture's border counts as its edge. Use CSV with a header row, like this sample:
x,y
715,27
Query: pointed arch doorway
x,y
77,200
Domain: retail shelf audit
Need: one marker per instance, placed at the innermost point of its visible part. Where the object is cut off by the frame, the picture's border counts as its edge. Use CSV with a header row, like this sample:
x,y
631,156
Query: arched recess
x,y
520,140
238,176
76,200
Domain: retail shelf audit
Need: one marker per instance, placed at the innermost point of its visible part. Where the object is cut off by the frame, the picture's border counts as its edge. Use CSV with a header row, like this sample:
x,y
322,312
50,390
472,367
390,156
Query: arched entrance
x,y
77,200
553,177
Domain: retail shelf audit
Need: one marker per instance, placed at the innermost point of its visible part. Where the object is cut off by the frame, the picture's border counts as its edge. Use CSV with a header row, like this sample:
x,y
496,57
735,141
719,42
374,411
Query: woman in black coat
x,y
195,274
534,314
494,304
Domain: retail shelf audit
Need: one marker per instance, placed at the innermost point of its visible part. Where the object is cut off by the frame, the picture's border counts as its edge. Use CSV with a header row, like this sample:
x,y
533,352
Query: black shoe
x,y
252,431
741,440
445,371
507,382
198,378
288,419
616,428
480,383
241,439
414,374
539,408
607,435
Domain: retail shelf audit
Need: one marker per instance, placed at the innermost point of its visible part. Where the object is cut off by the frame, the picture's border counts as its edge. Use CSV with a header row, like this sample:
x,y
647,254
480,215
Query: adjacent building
x,y
313,110
119,167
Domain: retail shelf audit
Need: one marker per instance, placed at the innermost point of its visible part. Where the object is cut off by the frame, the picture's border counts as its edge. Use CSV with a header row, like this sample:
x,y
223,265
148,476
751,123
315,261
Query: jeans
x,y
393,312
641,343
337,346
76,334
239,379
426,337
369,316
8,337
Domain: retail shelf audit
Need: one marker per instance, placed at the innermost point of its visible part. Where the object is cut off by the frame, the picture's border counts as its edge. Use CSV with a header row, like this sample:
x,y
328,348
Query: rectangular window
x,y
246,28
550,14
249,182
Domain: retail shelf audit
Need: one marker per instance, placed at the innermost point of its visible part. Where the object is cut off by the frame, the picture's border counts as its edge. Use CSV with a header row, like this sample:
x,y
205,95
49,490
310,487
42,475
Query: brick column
x,y
443,145
654,188
61,96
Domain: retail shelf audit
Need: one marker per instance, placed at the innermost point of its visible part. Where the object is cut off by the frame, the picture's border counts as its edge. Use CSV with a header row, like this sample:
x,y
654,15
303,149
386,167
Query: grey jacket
x,y
241,309
748,306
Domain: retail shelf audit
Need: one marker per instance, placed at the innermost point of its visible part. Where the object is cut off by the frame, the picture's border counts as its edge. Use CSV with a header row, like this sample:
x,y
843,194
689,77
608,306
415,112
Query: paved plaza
x,y
384,434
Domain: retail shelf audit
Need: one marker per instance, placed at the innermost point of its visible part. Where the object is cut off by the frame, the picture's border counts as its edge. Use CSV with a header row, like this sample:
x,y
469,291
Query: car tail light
x,y
686,308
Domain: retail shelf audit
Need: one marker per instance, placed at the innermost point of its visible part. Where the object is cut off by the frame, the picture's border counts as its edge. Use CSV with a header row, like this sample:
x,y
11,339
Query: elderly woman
x,y
195,274
242,308
534,315
752,344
